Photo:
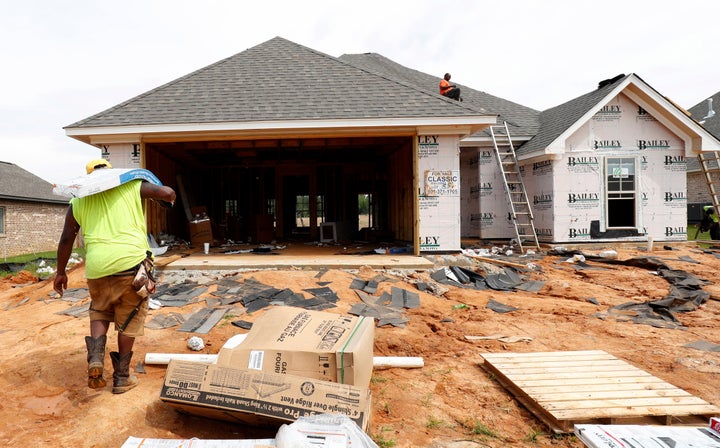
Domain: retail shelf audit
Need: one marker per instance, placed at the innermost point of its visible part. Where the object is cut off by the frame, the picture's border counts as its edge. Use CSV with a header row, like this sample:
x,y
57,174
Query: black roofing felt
x,y
277,80
19,184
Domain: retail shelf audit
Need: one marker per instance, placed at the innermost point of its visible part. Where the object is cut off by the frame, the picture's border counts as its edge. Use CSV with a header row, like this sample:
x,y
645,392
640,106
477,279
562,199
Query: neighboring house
x,y
698,190
316,135
31,216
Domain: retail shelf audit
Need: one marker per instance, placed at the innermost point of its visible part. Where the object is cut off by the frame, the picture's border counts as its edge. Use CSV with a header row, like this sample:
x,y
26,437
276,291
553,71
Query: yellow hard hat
x,y
97,163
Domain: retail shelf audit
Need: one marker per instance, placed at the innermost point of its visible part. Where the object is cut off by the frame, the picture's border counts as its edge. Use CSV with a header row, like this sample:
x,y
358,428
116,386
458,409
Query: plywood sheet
x,y
566,388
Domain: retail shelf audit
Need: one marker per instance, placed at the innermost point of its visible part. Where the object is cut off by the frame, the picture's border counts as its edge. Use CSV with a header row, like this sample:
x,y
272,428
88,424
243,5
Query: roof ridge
x,y
167,85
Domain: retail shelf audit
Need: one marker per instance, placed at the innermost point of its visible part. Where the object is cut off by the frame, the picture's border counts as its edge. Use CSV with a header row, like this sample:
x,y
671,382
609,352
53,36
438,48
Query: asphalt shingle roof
x,y
698,112
21,185
521,120
556,120
278,80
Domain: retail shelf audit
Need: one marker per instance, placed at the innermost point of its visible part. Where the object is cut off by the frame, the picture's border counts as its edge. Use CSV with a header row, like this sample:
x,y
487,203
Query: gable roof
x,y
556,120
21,185
276,81
699,112
558,123
522,120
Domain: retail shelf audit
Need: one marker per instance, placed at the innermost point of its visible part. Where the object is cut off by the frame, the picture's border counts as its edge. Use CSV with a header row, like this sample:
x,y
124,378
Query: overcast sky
x,y
63,61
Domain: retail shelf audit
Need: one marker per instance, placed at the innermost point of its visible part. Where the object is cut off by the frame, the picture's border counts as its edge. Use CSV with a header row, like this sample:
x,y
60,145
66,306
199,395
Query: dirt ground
x,y
452,402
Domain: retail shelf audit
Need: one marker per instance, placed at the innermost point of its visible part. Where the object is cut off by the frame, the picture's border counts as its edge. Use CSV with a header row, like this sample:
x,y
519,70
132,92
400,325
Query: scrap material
x,y
102,180
567,388
645,436
379,362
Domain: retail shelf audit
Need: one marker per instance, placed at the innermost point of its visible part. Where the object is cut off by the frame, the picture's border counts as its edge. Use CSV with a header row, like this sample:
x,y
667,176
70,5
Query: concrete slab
x,y
214,261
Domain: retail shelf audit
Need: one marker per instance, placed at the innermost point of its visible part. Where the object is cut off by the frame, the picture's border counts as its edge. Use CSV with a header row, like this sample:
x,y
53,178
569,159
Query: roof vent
x,y
606,82
710,112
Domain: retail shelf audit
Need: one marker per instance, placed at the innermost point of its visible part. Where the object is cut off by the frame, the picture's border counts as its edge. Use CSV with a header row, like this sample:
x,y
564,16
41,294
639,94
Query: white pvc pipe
x,y
379,362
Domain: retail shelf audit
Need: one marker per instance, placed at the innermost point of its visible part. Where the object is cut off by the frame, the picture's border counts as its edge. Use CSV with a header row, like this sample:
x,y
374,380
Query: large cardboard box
x,y
258,398
314,344
200,232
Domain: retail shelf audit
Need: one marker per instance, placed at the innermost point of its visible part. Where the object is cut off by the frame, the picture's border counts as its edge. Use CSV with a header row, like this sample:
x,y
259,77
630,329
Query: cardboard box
x,y
314,344
258,398
200,232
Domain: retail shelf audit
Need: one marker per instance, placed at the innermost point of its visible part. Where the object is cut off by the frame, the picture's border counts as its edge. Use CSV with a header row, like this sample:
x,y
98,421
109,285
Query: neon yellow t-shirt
x,y
113,225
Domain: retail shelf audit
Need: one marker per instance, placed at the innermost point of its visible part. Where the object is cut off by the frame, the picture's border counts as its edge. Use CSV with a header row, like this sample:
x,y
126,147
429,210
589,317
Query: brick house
x,y
31,216
698,191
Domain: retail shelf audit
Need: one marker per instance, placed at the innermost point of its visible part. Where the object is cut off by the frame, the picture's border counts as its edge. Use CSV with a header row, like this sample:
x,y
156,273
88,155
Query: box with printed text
x,y
258,398
314,344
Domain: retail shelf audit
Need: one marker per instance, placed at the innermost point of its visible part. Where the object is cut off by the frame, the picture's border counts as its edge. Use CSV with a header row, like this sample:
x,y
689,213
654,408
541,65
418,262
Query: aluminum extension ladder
x,y
710,165
520,211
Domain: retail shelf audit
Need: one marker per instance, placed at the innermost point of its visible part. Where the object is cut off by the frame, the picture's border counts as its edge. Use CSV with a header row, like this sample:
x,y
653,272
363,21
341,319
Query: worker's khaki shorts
x,y
113,299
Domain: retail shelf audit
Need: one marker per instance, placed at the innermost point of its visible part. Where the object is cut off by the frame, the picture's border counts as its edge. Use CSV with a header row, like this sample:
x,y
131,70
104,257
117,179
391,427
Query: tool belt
x,y
144,280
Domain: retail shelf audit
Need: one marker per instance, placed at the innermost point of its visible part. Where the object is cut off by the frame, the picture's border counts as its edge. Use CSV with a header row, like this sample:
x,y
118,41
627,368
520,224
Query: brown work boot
x,y
122,380
96,361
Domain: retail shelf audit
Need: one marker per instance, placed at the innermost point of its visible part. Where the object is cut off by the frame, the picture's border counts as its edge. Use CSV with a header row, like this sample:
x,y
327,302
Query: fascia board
x,y
557,146
696,138
472,123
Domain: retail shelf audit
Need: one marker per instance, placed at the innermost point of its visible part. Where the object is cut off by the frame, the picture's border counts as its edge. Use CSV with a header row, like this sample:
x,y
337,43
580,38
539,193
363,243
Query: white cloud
x,y
65,61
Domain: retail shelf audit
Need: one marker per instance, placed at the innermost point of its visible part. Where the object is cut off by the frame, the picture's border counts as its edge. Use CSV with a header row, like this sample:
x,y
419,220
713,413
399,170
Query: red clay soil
x,y
450,402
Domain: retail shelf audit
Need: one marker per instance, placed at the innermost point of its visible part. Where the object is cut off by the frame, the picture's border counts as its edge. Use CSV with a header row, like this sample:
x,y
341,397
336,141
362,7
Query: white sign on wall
x,y
439,172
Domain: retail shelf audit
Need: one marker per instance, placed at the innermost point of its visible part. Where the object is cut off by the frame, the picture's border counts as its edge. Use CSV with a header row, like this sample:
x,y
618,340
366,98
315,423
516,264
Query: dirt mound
x,y
452,401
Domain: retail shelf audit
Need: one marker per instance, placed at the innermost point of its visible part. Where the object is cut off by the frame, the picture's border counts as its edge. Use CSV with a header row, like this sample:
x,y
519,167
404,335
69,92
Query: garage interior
x,y
288,190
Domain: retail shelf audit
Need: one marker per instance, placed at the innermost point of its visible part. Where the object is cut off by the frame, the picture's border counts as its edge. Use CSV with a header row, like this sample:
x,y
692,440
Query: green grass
x,y
30,261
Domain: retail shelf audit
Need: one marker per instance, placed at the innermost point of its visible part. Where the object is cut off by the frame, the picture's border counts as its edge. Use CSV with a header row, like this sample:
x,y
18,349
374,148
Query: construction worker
x,y
710,222
114,228
449,90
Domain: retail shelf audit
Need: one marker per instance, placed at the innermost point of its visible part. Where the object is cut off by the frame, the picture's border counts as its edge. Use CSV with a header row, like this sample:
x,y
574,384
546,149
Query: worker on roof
x,y
449,90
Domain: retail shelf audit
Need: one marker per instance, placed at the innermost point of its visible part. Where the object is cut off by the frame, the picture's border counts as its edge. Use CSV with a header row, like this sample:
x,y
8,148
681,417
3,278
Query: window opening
x,y
621,194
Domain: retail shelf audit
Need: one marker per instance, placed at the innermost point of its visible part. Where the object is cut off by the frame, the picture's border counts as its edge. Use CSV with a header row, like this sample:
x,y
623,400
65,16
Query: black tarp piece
x,y
77,310
499,307
75,294
460,277
204,320
685,295
161,321
180,294
388,308
369,286
245,325
703,346
323,293
507,280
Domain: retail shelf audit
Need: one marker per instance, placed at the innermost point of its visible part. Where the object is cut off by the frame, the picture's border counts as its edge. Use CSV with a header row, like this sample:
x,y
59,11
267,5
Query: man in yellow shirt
x,y
115,233
710,222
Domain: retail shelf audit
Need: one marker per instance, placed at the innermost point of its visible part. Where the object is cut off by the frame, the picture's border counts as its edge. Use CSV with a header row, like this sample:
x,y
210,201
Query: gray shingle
x,y
556,120
277,80
21,185
522,120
